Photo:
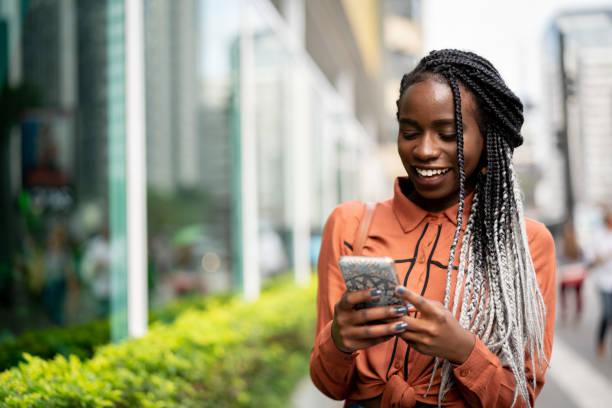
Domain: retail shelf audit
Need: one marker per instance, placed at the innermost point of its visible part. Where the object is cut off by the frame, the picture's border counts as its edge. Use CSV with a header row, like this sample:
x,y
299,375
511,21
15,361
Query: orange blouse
x,y
419,243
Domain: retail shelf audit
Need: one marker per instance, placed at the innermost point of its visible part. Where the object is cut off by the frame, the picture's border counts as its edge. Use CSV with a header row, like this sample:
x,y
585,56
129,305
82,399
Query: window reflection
x,y
189,49
54,256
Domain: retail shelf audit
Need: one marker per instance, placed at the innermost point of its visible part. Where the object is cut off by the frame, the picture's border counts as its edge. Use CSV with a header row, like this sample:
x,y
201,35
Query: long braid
x,y
461,166
496,293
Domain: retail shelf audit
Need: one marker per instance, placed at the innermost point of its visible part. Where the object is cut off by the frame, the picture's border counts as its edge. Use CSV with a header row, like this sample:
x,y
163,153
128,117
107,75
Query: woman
x,y
571,270
479,277
602,272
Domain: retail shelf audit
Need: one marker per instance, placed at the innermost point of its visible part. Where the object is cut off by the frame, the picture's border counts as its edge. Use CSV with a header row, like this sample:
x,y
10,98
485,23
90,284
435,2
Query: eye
x,y
409,135
448,137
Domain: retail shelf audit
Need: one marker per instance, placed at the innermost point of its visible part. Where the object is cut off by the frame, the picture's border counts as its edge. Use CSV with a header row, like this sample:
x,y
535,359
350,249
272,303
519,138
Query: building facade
x,y
254,118
579,65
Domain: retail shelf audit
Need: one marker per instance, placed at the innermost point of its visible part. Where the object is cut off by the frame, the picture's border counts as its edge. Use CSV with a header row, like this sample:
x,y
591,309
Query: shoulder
x,y
343,221
536,231
541,242
349,211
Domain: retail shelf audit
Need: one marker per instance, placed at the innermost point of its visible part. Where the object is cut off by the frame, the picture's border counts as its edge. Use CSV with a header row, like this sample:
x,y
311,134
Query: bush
x,y
78,340
82,340
233,354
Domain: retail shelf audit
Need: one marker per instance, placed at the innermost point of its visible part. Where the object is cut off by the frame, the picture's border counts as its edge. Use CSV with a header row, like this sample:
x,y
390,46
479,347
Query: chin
x,y
438,195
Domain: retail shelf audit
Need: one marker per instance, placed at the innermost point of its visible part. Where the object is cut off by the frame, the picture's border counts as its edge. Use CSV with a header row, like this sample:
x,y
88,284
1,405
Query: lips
x,y
430,179
431,172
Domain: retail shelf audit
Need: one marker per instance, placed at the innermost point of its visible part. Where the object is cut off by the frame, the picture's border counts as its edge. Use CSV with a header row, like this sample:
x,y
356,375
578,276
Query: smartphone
x,y
365,272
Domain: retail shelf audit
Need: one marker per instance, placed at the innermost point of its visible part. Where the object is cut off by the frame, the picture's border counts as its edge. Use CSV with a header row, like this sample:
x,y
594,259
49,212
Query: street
x,y
577,377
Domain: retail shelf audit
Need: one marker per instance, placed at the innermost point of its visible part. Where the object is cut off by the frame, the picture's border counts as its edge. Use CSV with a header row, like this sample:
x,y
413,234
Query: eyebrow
x,y
437,122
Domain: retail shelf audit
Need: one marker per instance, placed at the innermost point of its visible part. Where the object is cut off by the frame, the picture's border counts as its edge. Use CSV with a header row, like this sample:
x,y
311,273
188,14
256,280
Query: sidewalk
x,y
306,395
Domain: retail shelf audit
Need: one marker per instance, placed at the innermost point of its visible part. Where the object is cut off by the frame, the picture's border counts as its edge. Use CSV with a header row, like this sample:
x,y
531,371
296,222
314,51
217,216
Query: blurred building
x,y
402,48
58,40
171,49
259,117
580,68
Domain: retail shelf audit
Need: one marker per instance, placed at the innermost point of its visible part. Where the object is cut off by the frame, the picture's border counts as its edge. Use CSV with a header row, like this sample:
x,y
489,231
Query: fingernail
x,y
401,326
401,290
375,292
400,310
409,305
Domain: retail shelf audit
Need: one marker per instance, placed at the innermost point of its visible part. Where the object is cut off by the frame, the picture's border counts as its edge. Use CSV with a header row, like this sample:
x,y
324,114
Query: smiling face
x,y
427,142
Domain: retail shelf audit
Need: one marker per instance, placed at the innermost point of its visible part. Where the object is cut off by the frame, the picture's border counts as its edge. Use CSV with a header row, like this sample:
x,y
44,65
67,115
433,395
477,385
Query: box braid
x,y
497,292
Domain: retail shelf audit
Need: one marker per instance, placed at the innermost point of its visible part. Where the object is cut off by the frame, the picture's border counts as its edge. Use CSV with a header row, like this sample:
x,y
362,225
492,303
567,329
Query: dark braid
x,y
500,301
461,165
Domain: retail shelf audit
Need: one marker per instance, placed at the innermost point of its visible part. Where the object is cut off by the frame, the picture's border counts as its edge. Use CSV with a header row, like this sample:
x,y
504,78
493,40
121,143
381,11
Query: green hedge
x,y
233,354
77,340
82,340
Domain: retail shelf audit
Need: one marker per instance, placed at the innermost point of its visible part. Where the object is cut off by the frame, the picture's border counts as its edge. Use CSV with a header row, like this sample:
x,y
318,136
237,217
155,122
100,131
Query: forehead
x,y
431,97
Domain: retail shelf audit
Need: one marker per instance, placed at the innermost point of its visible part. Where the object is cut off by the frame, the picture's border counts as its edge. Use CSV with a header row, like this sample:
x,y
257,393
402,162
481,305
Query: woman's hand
x,y
435,331
358,329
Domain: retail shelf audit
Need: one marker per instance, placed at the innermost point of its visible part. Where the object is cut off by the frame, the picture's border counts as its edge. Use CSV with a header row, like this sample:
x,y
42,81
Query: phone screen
x,y
367,272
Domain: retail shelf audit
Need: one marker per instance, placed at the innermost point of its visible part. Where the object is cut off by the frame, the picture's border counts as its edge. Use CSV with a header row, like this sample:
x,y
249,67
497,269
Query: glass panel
x,y
273,133
54,181
117,168
317,174
190,49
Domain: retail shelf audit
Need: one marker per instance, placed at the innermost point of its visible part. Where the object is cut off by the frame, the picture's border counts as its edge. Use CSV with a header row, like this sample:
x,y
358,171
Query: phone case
x,y
364,272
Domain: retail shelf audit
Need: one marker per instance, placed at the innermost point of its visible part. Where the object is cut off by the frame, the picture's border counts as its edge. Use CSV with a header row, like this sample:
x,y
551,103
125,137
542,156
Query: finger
x,y
374,331
418,302
413,340
422,344
365,343
417,326
369,314
414,331
350,299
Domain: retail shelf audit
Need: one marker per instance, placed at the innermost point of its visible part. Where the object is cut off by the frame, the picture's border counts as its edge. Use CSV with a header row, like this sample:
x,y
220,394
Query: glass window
x,y
190,53
54,181
273,128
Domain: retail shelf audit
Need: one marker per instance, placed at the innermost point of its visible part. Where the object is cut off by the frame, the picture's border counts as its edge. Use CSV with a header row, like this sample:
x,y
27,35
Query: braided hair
x,y
496,287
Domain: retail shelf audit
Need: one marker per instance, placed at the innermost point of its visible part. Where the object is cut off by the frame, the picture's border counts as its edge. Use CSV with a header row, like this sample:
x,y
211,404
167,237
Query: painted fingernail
x,y
401,290
375,292
401,326
400,310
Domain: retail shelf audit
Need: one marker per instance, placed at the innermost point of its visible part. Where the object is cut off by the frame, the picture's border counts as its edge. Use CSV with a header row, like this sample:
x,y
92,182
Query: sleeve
x,y
481,379
332,370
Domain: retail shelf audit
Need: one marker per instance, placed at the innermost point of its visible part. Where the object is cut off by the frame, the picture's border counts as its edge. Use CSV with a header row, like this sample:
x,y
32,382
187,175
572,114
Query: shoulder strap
x,y
364,227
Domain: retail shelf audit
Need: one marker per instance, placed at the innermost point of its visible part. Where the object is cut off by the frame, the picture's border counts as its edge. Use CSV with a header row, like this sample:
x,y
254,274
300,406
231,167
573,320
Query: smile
x,y
430,172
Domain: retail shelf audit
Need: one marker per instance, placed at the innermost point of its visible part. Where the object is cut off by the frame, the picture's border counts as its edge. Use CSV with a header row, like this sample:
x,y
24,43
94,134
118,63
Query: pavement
x,y
576,378
307,396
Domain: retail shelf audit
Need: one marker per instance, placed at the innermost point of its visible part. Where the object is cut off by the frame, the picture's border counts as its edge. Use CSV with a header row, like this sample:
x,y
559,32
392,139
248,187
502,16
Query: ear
x,y
483,162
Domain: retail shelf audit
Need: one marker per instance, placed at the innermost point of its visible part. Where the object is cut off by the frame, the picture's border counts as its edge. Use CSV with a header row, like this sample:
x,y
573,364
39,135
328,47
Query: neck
x,y
437,205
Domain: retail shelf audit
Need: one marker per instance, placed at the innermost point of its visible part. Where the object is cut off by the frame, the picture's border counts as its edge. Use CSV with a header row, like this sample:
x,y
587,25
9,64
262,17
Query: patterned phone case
x,y
364,272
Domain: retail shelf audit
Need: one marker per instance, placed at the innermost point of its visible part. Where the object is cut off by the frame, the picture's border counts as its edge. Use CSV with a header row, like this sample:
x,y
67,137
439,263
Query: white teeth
x,y
430,172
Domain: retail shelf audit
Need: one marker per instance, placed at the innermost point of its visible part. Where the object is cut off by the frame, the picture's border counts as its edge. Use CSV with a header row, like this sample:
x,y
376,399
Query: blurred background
x,y
198,146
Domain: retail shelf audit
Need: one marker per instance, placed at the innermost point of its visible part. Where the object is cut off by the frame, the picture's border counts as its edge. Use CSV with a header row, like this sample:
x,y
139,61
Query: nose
x,y
427,149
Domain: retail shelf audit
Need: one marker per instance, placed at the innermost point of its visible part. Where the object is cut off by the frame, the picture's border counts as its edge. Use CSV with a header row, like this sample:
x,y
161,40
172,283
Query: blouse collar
x,y
411,215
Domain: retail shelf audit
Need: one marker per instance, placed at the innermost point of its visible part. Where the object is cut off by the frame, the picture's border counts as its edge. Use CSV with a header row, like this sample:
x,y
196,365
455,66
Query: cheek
x,y
403,149
472,151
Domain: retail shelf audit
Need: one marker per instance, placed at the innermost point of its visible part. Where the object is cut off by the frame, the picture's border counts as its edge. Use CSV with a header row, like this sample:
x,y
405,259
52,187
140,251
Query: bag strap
x,y
364,227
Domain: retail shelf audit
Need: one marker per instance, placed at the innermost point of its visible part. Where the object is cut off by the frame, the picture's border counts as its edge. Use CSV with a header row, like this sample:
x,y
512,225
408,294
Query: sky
x,y
508,33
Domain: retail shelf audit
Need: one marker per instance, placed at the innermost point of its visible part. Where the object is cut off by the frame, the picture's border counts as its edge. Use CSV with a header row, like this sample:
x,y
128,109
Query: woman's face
x,y
427,142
